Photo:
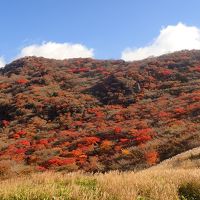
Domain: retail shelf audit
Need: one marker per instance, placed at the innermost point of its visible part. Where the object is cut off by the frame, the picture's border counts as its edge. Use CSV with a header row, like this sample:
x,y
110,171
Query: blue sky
x,y
106,26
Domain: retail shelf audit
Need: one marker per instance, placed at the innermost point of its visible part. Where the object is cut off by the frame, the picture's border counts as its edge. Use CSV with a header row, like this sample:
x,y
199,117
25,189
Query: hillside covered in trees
x,y
98,115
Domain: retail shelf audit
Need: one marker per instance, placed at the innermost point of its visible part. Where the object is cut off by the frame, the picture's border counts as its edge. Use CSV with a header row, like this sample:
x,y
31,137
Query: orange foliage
x,y
77,152
106,144
151,157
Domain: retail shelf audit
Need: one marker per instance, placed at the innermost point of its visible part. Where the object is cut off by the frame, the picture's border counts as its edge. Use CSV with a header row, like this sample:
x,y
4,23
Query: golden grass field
x,y
167,181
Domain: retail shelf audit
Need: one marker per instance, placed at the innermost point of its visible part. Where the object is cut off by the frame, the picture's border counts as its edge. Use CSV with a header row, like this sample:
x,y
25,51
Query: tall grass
x,y
154,184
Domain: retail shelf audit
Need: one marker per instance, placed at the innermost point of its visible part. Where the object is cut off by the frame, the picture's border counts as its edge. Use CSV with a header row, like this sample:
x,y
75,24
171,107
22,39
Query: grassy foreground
x,y
154,184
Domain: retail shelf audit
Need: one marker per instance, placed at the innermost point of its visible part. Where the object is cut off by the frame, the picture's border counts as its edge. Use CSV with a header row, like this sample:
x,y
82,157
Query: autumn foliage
x,y
99,115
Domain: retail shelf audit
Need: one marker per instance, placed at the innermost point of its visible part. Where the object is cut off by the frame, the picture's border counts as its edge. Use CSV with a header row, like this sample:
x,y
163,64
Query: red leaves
x,y
197,68
92,140
118,148
64,121
5,123
56,161
77,152
98,113
68,161
78,70
163,114
84,148
43,141
143,138
143,135
16,136
22,81
20,151
40,168
24,143
21,133
180,111
166,72
77,124
124,140
117,130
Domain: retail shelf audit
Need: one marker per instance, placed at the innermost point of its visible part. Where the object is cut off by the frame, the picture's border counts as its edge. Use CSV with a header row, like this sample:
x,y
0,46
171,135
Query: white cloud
x,y
2,62
57,50
170,39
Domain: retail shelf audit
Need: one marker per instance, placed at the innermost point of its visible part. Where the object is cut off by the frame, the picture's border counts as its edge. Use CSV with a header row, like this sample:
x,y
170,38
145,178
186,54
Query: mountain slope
x,y
99,115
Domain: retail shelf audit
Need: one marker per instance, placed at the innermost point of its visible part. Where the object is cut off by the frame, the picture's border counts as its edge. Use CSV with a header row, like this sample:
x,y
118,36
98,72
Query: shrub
x,y
190,191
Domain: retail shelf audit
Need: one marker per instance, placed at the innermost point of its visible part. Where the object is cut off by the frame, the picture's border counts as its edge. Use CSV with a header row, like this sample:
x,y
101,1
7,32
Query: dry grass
x,y
167,181
144,185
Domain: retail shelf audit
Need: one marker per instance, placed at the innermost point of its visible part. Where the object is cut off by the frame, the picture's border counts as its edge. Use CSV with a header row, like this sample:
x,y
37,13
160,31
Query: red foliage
x,y
40,168
84,148
92,140
20,151
166,72
21,133
68,161
77,152
22,81
99,114
5,123
117,130
123,140
143,135
43,141
197,68
79,109
24,143
100,69
163,114
16,136
180,111
118,148
77,123
56,161
78,70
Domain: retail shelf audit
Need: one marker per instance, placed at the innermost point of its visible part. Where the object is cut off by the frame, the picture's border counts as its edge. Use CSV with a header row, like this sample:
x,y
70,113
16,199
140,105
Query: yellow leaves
x,y
126,152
